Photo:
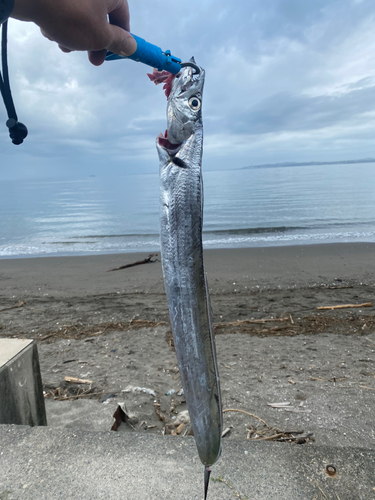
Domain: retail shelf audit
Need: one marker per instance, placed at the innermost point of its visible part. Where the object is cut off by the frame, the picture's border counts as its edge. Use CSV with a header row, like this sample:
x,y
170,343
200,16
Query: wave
x,y
102,236
255,230
284,239
230,231
210,240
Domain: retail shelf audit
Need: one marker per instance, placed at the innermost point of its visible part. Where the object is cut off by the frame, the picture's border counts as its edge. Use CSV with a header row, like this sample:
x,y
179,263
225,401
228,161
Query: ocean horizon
x,y
243,208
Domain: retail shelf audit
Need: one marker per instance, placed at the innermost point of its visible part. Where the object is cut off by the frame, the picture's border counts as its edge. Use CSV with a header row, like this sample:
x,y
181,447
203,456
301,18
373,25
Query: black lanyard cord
x,y
17,130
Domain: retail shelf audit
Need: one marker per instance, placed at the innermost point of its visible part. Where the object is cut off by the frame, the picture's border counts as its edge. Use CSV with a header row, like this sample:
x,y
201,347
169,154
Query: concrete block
x,y
21,391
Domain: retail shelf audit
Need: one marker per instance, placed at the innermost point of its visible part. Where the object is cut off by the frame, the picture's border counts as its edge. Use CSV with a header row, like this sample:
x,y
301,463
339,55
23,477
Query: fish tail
x,y
207,472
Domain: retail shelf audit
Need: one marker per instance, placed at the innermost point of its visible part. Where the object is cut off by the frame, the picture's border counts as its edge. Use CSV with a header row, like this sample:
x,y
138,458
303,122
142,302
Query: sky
x,y
286,80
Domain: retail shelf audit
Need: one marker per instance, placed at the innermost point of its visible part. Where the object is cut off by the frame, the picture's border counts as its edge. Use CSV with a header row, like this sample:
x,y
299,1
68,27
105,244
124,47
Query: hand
x,y
82,25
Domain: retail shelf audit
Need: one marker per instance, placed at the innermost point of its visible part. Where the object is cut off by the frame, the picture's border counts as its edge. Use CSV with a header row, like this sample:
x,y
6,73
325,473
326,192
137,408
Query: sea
x,y
255,207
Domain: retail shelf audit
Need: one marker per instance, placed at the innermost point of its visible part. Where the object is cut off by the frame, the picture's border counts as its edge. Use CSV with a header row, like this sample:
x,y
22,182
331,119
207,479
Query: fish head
x,y
184,107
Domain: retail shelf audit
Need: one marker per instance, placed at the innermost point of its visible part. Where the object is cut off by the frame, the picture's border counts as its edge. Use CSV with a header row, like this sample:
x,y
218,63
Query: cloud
x,y
285,81
287,112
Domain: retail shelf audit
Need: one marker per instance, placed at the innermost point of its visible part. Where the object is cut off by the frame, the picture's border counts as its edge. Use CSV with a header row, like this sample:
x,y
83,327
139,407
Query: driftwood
x,y
73,392
84,394
75,380
19,304
79,331
344,306
275,434
246,413
251,321
226,431
137,263
279,405
270,438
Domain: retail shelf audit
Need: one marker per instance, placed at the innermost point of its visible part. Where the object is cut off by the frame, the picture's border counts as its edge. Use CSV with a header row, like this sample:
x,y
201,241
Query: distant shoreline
x,y
310,163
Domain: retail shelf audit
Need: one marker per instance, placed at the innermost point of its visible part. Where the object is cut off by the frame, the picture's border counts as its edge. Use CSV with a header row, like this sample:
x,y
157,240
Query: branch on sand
x,y
19,304
344,306
137,263
75,380
253,321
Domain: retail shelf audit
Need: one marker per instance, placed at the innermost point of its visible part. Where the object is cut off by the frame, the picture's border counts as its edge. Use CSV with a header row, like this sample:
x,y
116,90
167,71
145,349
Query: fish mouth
x,y
171,148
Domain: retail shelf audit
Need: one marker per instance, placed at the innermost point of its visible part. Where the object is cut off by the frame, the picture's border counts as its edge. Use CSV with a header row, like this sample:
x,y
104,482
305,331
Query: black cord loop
x,y
17,130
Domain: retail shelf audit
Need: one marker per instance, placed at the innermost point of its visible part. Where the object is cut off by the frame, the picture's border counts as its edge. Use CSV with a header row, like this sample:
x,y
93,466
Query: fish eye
x,y
194,103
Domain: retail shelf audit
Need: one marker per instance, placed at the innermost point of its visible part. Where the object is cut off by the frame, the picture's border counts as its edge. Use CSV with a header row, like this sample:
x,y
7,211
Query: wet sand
x,y
112,328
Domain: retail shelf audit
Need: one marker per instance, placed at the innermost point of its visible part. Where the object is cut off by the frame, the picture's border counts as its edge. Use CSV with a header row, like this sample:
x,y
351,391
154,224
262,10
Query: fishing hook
x,y
191,65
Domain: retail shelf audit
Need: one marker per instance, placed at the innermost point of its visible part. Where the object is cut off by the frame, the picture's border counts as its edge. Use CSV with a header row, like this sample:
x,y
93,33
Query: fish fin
x,y
207,472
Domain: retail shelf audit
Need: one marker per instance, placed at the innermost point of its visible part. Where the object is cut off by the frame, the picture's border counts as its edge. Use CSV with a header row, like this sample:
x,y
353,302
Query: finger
x,y
122,42
97,57
45,35
118,11
64,49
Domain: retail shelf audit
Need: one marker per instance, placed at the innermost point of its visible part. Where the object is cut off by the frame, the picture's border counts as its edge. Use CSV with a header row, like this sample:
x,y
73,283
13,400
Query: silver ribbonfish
x,y
181,215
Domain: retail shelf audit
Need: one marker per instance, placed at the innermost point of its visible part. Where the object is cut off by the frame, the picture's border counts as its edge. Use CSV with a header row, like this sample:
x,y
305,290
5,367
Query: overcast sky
x,y
286,80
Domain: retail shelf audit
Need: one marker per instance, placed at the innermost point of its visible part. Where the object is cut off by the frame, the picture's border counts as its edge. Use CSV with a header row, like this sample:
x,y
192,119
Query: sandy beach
x,y
273,344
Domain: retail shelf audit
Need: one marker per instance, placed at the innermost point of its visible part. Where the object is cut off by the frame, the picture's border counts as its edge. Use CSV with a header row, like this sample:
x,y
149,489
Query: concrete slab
x,y
9,348
43,463
21,392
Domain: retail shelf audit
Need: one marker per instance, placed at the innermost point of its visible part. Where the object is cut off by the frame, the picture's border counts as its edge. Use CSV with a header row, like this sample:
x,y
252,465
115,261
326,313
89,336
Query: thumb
x,y
122,43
